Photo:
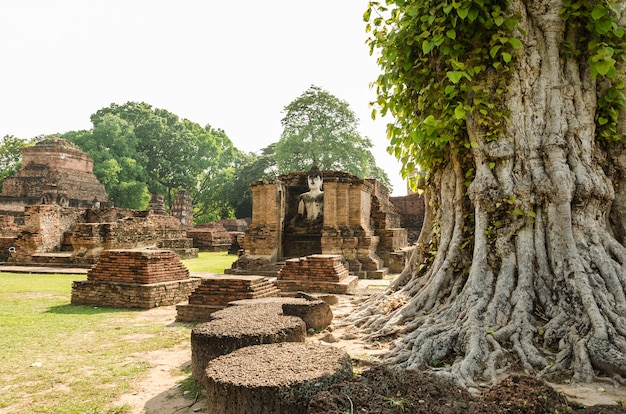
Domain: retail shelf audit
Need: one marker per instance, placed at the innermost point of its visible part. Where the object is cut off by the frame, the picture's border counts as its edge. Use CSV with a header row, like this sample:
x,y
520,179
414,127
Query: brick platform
x,y
323,273
131,295
135,279
216,291
138,266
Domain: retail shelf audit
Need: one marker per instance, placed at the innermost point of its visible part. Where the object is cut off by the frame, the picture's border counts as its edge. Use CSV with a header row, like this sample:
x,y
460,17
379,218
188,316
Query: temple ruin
x,y
356,221
55,211
54,171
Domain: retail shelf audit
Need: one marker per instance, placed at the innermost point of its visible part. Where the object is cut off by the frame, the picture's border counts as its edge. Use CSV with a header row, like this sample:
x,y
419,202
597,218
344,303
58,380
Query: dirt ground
x,y
376,390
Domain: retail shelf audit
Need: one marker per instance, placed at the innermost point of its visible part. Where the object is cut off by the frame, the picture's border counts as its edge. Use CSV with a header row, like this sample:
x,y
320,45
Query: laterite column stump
x,y
240,326
274,378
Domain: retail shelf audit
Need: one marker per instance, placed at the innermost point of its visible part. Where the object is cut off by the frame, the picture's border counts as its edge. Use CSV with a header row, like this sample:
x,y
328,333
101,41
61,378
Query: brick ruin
x,y
210,237
215,292
139,278
359,224
411,211
54,171
318,273
55,211
182,209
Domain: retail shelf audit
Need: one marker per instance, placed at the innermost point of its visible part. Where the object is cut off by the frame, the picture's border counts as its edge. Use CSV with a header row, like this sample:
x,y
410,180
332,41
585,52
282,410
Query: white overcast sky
x,y
232,64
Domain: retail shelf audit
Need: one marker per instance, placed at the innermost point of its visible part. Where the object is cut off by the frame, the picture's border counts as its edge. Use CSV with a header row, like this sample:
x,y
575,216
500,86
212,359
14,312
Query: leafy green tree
x,y
516,111
319,128
255,167
211,199
117,164
10,156
139,150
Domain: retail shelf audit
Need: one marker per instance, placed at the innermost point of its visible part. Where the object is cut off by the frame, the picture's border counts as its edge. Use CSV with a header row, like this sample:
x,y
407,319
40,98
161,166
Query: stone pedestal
x,y
273,379
135,279
316,273
216,291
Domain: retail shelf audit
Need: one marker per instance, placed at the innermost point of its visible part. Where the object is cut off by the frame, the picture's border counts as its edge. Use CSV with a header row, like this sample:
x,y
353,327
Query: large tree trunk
x,y
544,288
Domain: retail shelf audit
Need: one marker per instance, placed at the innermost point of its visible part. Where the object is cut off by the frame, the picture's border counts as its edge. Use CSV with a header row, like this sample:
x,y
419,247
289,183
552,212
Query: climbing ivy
x,y
441,61
444,59
601,41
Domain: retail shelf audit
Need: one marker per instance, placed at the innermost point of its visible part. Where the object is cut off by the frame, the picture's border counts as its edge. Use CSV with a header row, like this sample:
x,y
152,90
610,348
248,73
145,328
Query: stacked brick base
x,y
321,273
135,279
215,292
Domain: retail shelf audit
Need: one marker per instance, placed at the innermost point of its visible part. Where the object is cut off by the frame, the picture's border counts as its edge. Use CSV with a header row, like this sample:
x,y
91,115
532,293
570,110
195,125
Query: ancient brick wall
x,y
129,295
411,211
182,209
210,237
44,230
140,229
236,225
138,266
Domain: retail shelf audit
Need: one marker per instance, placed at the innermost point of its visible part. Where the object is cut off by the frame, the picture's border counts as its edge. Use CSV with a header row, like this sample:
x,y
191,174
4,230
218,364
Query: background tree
x,y
214,198
254,168
139,150
513,108
319,128
10,156
117,164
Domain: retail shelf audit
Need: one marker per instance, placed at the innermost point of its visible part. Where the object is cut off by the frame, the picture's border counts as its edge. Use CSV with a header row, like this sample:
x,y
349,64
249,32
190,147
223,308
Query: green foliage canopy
x,y
139,150
117,163
441,60
445,60
319,128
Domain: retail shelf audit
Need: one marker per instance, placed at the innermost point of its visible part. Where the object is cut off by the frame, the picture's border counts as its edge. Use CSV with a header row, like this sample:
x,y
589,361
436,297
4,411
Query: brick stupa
x,y
55,171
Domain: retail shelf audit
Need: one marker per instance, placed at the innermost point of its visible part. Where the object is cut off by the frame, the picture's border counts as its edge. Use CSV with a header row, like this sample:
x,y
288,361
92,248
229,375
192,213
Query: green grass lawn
x,y
59,358
210,262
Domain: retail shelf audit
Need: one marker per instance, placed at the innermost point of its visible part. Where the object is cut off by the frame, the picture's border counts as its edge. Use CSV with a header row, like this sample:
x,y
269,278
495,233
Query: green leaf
x,y
459,112
506,57
603,67
598,12
515,42
494,51
473,14
451,34
454,76
463,12
604,25
427,47
602,120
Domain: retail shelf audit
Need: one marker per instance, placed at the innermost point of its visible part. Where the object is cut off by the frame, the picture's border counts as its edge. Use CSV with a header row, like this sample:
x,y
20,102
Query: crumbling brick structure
x,y
316,273
182,209
359,224
56,211
217,291
52,233
210,237
138,278
54,171
411,211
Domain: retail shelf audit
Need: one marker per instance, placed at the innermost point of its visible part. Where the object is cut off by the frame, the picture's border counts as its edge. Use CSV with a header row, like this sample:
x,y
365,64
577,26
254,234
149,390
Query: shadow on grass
x,y
70,309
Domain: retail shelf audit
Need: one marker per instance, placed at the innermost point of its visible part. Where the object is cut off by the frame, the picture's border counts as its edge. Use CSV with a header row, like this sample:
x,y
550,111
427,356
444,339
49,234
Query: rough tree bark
x,y
543,288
